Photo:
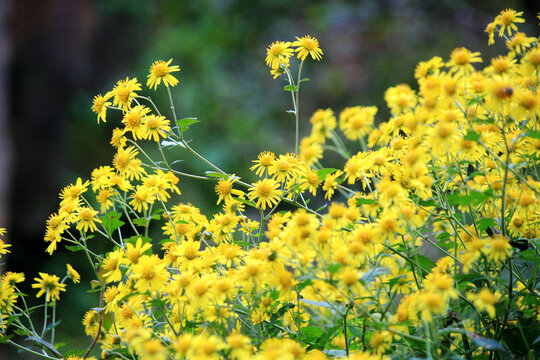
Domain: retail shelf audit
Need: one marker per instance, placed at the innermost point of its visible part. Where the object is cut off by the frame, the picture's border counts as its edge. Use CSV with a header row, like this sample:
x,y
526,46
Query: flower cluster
x,y
423,242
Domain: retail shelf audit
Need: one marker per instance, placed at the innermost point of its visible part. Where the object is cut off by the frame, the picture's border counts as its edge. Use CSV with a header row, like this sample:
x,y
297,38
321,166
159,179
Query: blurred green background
x,y
57,54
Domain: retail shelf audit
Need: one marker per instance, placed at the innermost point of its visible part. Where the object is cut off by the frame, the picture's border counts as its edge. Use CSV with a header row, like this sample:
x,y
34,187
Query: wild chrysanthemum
x,y
485,300
160,70
263,163
461,60
149,272
307,45
265,192
99,106
331,183
124,93
133,120
86,219
155,126
127,164
49,285
224,189
73,274
507,19
277,53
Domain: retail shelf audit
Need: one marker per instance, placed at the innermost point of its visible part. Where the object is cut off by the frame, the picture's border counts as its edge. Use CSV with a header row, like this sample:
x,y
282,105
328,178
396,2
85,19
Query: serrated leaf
x,y
483,224
322,173
185,123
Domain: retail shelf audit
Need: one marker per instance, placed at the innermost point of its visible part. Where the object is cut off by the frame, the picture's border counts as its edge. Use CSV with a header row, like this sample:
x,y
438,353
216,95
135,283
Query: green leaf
x,y
322,173
74,248
305,79
483,224
486,343
247,202
185,123
111,221
290,88
472,198
312,333
357,332
301,285
141,222
362,201
424,262
472,136
334,268
216,174
533,133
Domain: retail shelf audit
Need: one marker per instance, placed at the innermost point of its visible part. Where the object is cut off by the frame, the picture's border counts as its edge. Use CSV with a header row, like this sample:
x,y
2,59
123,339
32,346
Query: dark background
x,y
55,55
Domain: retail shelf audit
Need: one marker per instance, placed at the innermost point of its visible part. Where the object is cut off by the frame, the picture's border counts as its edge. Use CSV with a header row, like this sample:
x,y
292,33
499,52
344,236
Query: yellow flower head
x,y
507,19
160,70
307,45
99,106
73,274
278,53
49,285
124,93
266,193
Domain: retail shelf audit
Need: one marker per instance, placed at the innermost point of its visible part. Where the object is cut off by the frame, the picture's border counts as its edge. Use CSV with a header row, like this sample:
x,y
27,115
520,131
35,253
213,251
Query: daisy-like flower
x,y
331,183
99,106
133,120
73,274
224,189
124,92
266,193
127,164
485,300
308,45
263,163
508,19
161,71
49,285
277,53
150,272
461,60
155,126
86,219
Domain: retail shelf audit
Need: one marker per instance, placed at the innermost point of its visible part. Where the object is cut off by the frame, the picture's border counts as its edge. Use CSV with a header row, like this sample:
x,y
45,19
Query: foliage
x,y
434,254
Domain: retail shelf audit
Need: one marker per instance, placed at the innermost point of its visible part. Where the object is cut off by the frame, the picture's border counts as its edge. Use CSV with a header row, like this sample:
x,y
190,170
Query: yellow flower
x,y
225,191
263,163
485,300
124,93
133,120
330,184
266,193
73,274
49,285
277,53
461,60
99,106
160,70
127,164
150,272
307,45
86,219
508,19
155,126
498,248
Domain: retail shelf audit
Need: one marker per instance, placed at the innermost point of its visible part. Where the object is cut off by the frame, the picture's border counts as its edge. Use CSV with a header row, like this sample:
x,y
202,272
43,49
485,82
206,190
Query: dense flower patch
x,y
425,245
